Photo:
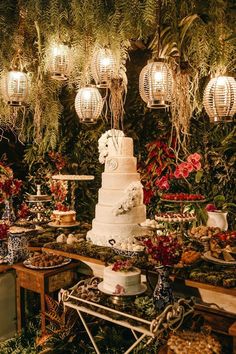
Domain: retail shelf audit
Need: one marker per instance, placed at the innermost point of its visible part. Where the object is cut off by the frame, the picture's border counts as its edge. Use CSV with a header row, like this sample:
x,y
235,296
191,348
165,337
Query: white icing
x,y
103,142
129,280
118,180
101,233
133,216
120,146
68,212
120,205
121,164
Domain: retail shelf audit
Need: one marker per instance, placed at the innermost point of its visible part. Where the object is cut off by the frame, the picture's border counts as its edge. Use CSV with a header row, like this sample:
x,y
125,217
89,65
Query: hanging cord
x,y
158,31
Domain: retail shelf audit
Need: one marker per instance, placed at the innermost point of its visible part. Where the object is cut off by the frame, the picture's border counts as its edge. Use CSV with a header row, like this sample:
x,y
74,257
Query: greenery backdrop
x,y
196,36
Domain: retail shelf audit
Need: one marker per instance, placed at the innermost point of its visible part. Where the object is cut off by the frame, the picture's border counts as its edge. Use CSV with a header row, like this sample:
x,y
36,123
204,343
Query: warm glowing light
x,y
219,98
88,104
15,88
86,94
158,77
59,61
103,66
155,84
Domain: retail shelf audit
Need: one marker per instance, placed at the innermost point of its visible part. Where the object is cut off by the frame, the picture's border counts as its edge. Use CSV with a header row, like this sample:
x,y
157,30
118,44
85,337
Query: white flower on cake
x,y
103,143
133,197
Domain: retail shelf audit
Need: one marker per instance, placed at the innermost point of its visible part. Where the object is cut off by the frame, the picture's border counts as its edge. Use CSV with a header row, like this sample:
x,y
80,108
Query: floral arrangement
x,y
164,250
103,143
186,167
122,265
9,186
23,211
161,172
59,191
57,159
133,197
3,231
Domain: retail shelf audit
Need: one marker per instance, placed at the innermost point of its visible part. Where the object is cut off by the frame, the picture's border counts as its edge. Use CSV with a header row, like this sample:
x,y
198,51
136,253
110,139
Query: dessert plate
x,y
141,290
207,256
63,225
27,263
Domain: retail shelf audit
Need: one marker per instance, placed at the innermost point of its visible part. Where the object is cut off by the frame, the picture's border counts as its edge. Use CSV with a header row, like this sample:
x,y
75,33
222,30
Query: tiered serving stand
x,y
37,206
72,180
181,204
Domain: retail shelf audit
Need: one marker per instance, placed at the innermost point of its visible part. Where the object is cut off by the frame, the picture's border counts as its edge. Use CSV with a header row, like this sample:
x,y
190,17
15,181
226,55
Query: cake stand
x,y
36,202
72,180
181,204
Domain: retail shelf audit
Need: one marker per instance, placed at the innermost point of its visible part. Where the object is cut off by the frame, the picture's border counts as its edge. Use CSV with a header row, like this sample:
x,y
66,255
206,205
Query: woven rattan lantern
x,y
219,98
103,67
88,104
60,61
15,88
155,84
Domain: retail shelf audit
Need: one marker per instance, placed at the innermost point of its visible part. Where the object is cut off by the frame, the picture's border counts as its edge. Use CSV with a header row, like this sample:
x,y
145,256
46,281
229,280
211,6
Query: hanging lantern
x,y
155,84
103,67
59,61
219,98
88,104
15,88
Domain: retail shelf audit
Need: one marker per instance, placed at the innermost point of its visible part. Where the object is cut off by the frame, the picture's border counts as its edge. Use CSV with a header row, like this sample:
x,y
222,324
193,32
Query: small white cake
x,y
121,282
64,217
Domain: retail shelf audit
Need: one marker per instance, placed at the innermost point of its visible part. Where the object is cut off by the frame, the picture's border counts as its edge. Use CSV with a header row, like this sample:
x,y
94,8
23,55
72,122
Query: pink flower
x,y
194,160
163,183
183,170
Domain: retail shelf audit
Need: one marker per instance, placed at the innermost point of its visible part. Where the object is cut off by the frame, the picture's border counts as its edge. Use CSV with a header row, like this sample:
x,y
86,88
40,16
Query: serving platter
x,y
27,263
207,256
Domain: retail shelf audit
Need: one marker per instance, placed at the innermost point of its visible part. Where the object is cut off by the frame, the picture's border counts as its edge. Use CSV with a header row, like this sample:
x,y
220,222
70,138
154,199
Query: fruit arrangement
x,y
201,232
226,236
182,196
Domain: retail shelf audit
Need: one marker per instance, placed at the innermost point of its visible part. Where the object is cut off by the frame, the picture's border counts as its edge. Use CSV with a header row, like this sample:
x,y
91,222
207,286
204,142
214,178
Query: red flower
x,y
23,211
3,231
147,196
165,250
163,183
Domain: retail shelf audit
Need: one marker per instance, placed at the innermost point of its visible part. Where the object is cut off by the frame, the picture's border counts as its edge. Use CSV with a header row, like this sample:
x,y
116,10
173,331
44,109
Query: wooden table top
x,y
19,267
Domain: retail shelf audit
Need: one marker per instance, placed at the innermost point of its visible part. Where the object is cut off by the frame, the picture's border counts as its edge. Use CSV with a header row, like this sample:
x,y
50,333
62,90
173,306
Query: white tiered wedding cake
x,y
120,207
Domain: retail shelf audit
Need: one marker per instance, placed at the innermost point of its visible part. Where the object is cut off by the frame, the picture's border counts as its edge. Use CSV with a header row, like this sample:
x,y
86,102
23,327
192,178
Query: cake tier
x,y
120,146
64,217
130,281
118,180
121,164
111,197
105,213
101,233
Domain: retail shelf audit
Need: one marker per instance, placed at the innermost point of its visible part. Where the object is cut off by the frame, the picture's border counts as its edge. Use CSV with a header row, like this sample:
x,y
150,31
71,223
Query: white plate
x,y
27,263
207,255
141,290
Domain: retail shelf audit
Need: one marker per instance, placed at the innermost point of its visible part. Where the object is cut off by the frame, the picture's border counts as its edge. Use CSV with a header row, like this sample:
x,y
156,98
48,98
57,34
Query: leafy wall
x,y
199,40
